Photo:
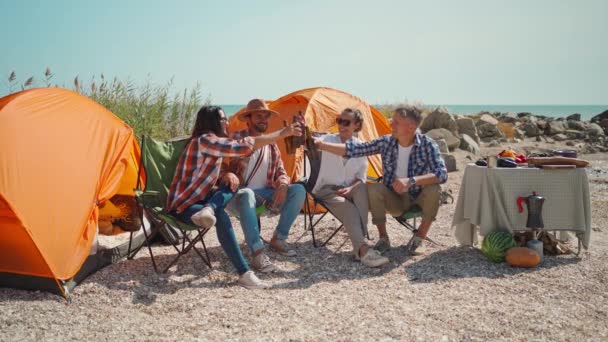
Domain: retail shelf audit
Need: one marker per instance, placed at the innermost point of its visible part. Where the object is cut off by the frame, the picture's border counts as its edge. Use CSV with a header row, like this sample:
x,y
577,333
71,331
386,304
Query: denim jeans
x,y
246,204
223,226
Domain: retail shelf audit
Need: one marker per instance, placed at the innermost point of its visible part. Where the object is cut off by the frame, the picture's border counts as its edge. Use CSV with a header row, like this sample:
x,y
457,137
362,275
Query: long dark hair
x,y
208,121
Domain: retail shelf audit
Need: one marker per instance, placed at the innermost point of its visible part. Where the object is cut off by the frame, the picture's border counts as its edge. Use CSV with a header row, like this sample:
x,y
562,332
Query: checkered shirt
x,y
199,168
424,158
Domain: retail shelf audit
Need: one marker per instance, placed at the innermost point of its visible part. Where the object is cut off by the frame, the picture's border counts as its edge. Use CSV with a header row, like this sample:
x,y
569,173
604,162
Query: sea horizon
x,y
555,111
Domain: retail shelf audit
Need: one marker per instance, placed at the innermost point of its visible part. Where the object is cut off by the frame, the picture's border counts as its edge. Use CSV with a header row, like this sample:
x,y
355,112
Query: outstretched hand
x,y
295,129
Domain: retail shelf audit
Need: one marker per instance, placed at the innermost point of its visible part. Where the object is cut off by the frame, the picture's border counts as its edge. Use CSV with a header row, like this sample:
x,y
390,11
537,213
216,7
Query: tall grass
x,y
158,111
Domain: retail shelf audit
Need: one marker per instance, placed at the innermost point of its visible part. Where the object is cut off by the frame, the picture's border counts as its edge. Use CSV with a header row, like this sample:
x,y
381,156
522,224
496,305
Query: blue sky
x,y
440,52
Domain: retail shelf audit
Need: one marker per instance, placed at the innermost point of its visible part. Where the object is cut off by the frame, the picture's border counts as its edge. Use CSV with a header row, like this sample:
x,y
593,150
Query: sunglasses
x,y
343,122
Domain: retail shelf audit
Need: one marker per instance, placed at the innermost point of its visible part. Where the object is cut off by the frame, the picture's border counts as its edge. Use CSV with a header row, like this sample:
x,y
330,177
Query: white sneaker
x,y
262,263
373,258
204,218
250,281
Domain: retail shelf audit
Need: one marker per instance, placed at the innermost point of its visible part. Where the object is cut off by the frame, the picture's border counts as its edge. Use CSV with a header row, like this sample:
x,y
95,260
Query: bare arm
x,y
339,149
262,140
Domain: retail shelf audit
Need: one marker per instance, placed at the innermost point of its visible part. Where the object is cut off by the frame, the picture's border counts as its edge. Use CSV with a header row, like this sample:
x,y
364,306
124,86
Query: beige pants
x,y
382,200
352,211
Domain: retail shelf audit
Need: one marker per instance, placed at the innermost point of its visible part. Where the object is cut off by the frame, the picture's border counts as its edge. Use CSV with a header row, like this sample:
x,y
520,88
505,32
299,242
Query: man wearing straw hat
x,y
263,180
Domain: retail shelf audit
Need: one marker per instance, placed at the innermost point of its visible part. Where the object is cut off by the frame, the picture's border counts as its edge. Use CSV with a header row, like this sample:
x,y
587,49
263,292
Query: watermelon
x,y
496,244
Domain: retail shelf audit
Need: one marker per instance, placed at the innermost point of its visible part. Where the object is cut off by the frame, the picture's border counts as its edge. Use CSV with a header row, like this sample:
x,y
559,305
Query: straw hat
x,y
255,106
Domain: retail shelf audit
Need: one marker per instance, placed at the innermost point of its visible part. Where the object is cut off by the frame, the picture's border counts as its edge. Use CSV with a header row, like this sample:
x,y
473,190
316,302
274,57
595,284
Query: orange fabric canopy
x,y
320,107
60,155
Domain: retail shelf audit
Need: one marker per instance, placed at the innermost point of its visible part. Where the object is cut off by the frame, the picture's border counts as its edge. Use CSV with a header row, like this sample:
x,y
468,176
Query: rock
x,y
524,114
486,129
570,143
574,124
560,137
469,144
450,162
443,145
574,134
508,117
503,140
442,133
555,127
598,118
530,129
439,118
518,134
574,117
604,125
541,124
487,118
595,130
466,125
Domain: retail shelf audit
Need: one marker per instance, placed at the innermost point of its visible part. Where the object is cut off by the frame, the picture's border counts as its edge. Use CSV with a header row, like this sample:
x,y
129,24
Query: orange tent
x,y
61,154
320,107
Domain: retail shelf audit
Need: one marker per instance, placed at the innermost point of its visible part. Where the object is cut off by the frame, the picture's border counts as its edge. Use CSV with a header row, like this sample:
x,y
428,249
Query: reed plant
x,y
158,111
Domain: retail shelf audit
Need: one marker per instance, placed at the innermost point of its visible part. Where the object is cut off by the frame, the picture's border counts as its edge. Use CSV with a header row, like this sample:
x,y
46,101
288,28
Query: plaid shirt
x,y
276,171
199,168
425,158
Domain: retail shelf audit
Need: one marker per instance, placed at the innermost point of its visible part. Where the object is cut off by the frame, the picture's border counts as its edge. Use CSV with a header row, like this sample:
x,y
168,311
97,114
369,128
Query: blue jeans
x,y
246,204
223,226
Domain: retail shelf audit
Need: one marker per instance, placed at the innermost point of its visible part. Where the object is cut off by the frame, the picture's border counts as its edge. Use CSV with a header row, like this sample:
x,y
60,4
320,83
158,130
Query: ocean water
x,y
556,111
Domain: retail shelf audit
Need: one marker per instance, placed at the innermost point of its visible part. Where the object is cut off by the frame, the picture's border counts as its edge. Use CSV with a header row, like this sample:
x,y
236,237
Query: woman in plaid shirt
x,y
191,196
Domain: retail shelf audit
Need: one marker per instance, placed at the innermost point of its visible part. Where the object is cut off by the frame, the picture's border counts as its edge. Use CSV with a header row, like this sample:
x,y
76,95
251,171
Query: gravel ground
x,y
450,293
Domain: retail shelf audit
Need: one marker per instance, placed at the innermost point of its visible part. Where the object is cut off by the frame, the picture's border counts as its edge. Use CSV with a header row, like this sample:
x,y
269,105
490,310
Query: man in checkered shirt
x,y
413,169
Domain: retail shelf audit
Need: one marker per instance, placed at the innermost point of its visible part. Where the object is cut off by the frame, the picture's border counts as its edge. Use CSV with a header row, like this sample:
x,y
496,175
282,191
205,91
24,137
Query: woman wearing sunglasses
x,y
342,188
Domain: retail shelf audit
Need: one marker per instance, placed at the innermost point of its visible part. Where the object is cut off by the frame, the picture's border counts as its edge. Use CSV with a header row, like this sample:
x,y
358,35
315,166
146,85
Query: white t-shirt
x,y
402,161
336,170
258,181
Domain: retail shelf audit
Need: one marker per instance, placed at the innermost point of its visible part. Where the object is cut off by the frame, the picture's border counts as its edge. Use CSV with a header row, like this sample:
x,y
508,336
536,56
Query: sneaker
x,y
373,258
415,246
262,263
383,245
250,281
204,218
281,247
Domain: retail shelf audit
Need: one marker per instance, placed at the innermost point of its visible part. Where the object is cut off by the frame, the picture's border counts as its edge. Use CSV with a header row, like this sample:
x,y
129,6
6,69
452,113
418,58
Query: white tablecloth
x,y
488,199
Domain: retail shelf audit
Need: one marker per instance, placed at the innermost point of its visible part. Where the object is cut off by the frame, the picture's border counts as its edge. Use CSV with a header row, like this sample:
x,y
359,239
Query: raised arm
x,y
292,130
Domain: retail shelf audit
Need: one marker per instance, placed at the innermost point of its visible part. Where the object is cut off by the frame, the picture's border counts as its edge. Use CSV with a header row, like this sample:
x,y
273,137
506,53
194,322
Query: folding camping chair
x,y
159,161
312,202
415,212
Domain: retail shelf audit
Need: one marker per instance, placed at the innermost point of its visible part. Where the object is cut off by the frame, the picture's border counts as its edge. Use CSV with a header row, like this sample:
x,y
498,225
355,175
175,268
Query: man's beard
x,y
260,128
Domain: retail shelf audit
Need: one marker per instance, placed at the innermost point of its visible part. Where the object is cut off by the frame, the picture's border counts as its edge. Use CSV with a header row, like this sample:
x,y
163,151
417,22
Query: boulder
x,y
469,144
486,118
530,129
574,117
443,145
508,117
439,118
486,130
598,118
541,124
518,134
466,125
450,162
574,134
595,130
576,125
560,137
442,133
555,127
604,125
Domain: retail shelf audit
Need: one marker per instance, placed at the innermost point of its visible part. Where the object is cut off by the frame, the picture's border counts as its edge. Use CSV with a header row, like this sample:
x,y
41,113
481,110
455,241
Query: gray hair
x,y
357,115
410,111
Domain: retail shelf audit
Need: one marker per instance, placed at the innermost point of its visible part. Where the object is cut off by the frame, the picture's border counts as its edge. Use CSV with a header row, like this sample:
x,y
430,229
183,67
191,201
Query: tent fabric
x,y
320,107
61,154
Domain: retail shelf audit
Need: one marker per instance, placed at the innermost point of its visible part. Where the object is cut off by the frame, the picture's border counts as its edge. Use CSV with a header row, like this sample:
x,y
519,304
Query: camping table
x,y
488,199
